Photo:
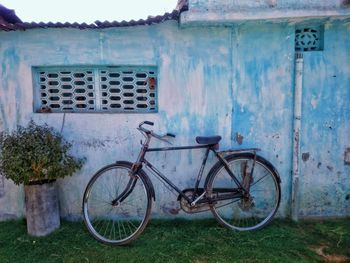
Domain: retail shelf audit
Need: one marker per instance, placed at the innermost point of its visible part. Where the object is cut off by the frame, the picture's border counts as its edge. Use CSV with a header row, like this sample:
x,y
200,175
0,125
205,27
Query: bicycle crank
x,y
246,204
187,207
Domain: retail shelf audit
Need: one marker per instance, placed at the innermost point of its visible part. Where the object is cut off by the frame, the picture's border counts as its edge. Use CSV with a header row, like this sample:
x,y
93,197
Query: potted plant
x,y
36,156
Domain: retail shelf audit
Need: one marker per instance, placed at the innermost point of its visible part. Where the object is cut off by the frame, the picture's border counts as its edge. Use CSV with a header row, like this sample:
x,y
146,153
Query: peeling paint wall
x,y
223,12
234,81
263,94
193,98
325,134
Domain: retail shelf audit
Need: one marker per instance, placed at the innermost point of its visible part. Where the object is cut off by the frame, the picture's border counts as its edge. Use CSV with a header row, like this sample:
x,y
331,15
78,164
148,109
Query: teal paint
x,y
224,5
10,60
236,81
226,13
263,93
325,130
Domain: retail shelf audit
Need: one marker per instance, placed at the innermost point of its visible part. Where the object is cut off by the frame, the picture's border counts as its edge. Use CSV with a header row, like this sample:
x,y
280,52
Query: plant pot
x,y
42,209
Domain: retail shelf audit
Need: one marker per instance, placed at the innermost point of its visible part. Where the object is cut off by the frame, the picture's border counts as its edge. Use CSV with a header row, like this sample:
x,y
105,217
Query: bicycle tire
x,y
121,223
244,214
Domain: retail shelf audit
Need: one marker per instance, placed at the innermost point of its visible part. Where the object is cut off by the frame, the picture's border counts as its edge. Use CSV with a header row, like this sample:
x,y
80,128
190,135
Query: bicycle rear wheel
x,y
113,221
242,213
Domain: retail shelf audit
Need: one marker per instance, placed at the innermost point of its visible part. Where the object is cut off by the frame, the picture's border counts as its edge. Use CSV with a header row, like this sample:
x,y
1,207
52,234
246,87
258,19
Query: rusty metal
x,y
148,134
247,150
187,207
239,138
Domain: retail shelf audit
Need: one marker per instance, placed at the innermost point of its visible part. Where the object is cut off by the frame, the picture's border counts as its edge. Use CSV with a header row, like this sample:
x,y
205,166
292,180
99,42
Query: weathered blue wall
x,y
325,183
263,93
235,81
223,12
224,5
194,97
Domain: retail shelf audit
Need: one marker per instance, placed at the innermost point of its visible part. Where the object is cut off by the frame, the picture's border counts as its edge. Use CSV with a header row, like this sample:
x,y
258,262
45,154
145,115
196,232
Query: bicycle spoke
x,y
120,234
247,212
267,173
122,222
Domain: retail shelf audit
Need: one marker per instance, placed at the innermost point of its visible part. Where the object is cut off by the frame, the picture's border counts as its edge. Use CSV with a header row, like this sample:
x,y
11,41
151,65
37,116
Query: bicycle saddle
x,y
208,140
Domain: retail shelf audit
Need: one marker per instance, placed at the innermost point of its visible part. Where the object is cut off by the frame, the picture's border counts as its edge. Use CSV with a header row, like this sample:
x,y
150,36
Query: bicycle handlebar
x,y
170,135
143,129
148,123
149,132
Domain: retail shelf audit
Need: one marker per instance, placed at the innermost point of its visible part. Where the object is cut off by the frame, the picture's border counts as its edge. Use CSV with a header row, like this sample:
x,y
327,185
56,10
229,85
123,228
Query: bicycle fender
x,y
143,174
244,154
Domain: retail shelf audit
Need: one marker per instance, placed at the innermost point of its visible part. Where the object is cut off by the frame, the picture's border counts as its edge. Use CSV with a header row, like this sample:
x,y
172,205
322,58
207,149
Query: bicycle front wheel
x,y
109,218
240,212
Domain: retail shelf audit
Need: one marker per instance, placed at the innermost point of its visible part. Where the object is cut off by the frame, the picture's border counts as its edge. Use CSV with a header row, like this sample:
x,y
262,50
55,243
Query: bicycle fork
x,y
132,174
128,189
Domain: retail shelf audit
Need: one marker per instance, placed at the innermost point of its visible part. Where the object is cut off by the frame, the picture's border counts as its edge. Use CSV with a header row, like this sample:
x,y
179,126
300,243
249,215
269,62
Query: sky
x,y
87,11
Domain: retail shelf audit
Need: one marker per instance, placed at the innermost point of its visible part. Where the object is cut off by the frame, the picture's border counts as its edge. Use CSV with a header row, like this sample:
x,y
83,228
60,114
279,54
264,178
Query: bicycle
x,y
242,190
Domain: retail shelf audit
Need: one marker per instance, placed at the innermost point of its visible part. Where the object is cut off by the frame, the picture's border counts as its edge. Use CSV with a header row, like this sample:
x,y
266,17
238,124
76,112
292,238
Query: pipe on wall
x,y
298,87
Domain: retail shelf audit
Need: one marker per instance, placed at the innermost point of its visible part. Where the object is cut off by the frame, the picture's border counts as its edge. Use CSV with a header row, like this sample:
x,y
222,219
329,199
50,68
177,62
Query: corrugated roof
x,y
9,15
8,18
7,25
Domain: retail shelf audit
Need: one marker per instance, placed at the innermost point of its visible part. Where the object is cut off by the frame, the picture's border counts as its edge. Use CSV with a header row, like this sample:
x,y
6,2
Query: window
x,y
95,89
309,38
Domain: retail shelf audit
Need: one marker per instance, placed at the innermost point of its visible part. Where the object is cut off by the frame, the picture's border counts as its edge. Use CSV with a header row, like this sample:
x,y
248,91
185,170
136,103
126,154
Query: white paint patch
x,y
195,90
273,95
314,102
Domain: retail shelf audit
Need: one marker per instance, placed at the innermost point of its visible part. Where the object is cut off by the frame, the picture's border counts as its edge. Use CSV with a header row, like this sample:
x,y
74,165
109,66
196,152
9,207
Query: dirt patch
x,y
329,257
305,156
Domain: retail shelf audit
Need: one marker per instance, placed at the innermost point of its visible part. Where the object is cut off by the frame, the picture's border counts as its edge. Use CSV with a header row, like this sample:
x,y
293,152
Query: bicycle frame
x,y
209,147
169,182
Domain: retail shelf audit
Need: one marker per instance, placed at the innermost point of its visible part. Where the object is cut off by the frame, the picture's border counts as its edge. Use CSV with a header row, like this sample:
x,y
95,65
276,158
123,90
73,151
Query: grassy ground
x,y
184,241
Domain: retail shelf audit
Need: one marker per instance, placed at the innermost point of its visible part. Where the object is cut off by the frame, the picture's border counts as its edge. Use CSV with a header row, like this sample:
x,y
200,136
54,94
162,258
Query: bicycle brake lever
x,y
168,142
170,135
165,140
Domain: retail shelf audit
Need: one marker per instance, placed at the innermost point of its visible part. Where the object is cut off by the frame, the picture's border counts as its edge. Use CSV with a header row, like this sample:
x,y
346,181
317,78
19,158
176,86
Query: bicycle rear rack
x,y
245,184
248,150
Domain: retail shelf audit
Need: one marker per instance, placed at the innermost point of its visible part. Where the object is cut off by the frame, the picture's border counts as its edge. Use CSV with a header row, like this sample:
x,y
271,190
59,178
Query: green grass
x,y
183,241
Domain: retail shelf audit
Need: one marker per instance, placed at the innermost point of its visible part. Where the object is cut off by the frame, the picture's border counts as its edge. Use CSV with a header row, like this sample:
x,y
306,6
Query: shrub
x,y
36,154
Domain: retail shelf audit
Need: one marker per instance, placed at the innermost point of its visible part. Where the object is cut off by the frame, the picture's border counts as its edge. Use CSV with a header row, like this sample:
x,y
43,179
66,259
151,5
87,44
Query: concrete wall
x,y
234,81
325,185
224,12
210,5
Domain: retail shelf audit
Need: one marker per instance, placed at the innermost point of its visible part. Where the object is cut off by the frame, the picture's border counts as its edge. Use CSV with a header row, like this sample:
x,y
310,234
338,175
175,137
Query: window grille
x,y
96,89
309,39
130,90
67,90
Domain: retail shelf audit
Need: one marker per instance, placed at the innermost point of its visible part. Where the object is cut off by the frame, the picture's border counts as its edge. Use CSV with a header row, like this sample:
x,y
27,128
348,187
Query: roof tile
x,y
98,24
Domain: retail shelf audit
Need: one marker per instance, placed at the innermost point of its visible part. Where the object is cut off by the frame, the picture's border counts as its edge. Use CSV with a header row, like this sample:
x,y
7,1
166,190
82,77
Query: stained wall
x,y
236,81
